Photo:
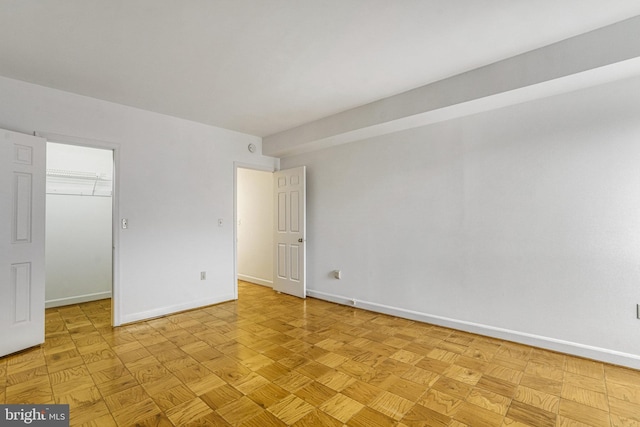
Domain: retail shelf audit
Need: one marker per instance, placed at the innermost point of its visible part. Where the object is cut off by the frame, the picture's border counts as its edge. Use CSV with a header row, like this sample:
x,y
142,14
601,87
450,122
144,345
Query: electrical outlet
x,y
203,275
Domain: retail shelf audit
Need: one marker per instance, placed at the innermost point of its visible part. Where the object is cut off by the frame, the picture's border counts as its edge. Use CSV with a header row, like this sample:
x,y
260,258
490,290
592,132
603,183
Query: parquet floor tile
x,y
315,419
274,360
440,402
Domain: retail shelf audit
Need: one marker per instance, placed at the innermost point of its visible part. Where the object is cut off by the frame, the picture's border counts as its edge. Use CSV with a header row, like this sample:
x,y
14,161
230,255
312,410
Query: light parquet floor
x,y
275,360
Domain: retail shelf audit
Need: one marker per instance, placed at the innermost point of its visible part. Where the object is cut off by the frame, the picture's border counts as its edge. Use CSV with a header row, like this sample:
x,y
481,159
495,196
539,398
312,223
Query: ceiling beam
x,y
600,56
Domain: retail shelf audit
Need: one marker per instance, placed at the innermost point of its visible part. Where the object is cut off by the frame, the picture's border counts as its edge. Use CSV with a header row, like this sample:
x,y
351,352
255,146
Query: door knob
x,y
300,240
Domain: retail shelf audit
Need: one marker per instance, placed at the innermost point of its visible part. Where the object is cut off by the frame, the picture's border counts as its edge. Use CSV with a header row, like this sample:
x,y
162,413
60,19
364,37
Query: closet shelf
x,y
74,183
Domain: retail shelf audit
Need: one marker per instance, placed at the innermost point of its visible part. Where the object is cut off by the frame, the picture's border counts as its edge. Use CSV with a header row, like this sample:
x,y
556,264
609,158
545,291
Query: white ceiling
x,y
264,66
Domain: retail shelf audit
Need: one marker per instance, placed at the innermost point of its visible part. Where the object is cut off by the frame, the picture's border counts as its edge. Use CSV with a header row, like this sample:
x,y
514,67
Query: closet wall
x,y
79,224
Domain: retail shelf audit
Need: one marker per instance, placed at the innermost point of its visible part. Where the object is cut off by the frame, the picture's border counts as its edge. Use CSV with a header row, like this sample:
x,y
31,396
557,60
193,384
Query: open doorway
x,y
254,226
79,224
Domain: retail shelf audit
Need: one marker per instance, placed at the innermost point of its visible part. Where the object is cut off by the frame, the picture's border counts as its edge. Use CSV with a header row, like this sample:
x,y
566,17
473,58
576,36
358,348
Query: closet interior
x,y
79,190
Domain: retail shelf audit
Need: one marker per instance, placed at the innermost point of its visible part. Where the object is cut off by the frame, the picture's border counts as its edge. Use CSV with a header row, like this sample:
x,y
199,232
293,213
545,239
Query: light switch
x,y
125,223
219,222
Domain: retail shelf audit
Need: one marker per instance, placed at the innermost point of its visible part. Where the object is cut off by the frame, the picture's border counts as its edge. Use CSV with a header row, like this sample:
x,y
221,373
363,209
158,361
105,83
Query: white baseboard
x,y
76,299
568,347
164,311
255,280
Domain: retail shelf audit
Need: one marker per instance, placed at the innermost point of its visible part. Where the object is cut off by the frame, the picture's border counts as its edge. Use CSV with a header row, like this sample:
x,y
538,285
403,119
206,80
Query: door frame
x,y
116,303
236,166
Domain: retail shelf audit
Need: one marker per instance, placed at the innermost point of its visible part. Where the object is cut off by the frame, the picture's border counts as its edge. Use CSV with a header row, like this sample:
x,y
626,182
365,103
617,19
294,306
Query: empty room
x,y
354,212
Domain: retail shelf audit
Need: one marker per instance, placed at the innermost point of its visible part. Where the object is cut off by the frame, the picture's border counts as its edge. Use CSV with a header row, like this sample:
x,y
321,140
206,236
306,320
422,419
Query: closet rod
x,y
82,195
78,176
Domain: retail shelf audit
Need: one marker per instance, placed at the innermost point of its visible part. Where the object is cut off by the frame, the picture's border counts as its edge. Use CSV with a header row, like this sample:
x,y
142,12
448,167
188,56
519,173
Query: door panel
x,y
289,232
21,227
21,292
22,268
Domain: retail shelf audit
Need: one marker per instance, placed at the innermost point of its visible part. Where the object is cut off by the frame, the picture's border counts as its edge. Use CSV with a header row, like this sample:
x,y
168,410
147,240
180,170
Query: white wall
x,y
520,223
78,230
255,226
175,181
78,249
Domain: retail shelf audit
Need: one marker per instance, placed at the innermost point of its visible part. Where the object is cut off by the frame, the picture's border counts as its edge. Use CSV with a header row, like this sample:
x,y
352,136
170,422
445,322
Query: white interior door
x,y
289,269
22,214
